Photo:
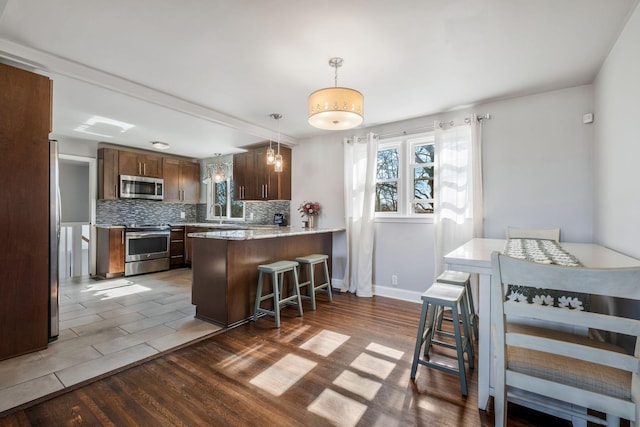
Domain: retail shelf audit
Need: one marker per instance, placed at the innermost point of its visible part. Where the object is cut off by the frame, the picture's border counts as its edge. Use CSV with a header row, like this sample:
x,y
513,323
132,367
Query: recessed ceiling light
x,y
160,145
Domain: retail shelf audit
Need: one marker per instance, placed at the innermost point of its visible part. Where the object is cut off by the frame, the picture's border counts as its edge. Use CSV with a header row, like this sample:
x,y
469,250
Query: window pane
x,y
387,197
237,207
423,153
424,172
423,183
423,208
388,164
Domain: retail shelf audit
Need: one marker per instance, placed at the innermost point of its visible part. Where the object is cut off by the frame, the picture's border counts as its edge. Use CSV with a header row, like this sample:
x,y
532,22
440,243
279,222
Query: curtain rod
x,y
428,128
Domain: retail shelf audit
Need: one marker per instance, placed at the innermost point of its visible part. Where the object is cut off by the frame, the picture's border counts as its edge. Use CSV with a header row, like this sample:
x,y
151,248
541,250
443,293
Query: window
x,y
221,202
404,176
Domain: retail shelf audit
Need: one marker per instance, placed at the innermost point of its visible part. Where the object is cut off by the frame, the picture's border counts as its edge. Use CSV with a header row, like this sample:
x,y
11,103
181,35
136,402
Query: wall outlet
x,y
182,215
251,216
394,280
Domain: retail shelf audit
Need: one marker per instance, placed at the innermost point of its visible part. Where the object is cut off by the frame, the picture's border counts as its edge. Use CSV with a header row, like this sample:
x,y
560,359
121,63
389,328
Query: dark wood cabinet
x,y
243,181
225,272
188,242
140,164
176,247
107,174
25,120
181,180
110,252
254,179
181,177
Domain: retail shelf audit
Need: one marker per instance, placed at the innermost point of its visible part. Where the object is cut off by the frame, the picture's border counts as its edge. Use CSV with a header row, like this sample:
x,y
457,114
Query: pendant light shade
x,y
271,155
336,108
277,160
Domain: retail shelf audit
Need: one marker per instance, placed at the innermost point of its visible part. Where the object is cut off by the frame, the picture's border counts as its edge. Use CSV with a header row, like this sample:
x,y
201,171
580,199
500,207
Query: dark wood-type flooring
x,y
352,358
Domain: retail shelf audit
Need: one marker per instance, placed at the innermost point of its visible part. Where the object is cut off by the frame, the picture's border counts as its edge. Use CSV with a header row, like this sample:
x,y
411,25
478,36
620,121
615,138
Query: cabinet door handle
x,y
139,168
266,191
122,237
144,169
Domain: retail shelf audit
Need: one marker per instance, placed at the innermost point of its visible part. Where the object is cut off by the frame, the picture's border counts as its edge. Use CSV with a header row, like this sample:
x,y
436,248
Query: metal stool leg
x,y
277,289
419,339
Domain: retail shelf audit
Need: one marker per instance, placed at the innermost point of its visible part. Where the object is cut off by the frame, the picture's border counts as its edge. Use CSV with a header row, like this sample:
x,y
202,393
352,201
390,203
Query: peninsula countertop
x,y
266,233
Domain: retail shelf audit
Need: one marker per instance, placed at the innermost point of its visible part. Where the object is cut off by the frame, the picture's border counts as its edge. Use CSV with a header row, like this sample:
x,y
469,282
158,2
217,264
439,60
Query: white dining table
x,y
475,257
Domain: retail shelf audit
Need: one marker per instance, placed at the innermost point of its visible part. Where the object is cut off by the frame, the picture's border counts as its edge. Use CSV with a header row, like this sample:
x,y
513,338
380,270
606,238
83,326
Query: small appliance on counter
x,y
279,219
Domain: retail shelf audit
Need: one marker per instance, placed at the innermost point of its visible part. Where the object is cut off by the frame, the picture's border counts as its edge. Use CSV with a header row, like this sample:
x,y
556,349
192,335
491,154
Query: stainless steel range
x,y
146,248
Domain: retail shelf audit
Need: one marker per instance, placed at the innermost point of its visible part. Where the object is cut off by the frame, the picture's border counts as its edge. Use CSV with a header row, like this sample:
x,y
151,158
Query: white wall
x,y
537,173
617,144
537,164
78,147
74,191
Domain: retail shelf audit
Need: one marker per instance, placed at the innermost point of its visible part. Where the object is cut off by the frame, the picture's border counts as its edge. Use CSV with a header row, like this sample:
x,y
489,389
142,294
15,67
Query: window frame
x,y
211,195
406,145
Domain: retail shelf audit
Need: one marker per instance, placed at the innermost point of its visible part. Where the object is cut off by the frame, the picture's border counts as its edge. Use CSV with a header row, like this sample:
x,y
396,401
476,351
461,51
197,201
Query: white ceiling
x,y
204,75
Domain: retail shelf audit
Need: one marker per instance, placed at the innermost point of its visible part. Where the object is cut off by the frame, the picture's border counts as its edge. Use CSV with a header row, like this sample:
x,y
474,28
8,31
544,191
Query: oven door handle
x,y
146,234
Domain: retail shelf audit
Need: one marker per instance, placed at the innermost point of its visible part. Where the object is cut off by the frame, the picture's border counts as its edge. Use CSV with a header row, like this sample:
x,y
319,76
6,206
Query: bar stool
x,y
460,278
311,261
277,270
439,296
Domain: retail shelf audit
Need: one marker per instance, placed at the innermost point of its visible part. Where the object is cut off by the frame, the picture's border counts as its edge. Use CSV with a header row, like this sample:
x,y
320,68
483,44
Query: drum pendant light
x,y
336,108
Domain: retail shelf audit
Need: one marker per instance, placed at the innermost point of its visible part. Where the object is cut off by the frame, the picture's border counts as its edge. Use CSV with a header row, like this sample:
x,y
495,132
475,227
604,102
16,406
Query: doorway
x,y
78,211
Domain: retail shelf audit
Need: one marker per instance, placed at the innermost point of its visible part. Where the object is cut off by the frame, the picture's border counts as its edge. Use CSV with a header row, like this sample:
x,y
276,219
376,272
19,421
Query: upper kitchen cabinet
x,y
140,164
25,120
181,180
107,174
255,180
243,176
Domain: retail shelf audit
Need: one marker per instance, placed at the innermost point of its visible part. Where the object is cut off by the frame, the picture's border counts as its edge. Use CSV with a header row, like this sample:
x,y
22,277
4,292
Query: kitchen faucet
x,y
220,205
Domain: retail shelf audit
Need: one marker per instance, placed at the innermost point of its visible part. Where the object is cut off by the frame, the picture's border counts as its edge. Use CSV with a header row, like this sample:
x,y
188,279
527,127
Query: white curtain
x,y
458,215
360,156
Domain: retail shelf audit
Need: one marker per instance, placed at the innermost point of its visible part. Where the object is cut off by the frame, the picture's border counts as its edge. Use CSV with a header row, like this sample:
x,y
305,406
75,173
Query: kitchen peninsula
x,y
225,266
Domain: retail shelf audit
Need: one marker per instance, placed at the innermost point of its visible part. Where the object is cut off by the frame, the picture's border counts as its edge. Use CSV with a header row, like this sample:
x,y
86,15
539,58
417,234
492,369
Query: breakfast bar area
x,y
225,266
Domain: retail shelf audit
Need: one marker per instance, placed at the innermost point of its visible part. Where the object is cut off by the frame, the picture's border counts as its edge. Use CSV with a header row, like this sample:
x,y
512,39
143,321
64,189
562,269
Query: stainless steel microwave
x,y
141,187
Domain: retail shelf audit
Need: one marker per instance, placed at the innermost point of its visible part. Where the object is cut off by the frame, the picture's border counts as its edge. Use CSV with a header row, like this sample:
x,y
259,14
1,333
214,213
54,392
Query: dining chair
x,y
523,233
561,371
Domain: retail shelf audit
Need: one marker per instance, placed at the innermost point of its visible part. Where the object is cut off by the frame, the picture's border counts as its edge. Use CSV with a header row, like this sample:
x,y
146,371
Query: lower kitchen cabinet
x,y
110,252
176,247
188,242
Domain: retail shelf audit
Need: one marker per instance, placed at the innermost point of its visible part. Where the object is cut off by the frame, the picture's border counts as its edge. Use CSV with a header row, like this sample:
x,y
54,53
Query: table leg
x,y
485,347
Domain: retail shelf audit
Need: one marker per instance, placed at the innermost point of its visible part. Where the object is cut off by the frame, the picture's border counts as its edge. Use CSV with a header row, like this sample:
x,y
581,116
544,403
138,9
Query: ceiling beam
x,y
48,63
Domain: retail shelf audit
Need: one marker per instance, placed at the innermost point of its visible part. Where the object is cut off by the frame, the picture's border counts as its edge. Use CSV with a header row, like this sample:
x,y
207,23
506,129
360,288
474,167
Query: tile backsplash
x,y
154,212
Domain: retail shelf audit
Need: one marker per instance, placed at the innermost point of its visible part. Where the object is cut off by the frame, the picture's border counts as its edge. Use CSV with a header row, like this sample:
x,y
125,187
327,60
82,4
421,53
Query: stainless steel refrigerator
x,y
54,240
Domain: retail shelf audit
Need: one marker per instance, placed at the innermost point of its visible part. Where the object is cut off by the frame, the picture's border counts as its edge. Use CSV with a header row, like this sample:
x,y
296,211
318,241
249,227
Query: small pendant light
x,y
278,162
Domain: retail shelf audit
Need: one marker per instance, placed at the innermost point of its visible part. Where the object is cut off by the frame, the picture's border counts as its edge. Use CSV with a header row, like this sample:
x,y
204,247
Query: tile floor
x,y
105,325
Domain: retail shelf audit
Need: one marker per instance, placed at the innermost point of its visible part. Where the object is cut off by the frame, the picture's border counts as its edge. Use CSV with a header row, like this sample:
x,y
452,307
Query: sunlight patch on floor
x,y
121,292
241,360
339,409
280,376
356,384
325,342
385,351
295,334
373,365
110,284
427,405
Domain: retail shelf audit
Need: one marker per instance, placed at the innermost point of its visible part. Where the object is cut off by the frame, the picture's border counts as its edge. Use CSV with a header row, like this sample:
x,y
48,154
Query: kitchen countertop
x,y
223,226
227,225
261,233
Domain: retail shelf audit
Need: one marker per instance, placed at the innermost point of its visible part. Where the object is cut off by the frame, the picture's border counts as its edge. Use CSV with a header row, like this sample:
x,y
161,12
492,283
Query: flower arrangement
x,y
309,208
